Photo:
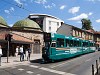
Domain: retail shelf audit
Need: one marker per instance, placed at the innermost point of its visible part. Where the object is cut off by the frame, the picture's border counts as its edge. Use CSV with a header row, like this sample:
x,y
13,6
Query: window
x,y
75,43
53,44
60,42
49,22
85,44
49,28
71,43
67,43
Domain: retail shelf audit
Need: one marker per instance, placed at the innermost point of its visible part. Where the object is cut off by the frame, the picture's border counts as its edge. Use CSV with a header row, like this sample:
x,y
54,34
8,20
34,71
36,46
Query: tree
x,y
86,24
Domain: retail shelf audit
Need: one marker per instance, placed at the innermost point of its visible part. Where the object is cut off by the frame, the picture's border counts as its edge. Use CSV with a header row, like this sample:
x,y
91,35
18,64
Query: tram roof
x,y
54,35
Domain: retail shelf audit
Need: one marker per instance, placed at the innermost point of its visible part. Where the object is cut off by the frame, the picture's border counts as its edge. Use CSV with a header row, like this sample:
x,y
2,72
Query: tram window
x,y
60,42
71,43
80,44
77,44
91,44
53,45
85,44
67,43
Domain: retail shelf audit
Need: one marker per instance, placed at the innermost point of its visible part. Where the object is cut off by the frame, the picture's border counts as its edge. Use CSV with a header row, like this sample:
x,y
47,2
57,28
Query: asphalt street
x,y
80,65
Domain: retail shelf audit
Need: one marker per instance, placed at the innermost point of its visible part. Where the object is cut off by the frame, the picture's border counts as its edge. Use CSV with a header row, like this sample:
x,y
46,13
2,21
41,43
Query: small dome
x,y
26,23
3,23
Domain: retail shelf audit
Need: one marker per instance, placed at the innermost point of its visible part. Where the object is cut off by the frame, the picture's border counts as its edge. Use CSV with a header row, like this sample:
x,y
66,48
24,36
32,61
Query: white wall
x,y
53,25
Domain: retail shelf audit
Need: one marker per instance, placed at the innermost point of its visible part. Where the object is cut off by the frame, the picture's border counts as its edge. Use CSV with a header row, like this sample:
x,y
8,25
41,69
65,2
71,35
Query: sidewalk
x,y
14,61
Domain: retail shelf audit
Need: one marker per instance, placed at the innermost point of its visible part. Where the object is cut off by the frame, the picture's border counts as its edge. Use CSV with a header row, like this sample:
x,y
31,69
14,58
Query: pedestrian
x,y
29,53
17,50
26,54
0,54
21,54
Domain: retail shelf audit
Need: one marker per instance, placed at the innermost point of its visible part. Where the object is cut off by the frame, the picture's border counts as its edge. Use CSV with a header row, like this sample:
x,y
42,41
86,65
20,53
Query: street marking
x,y
50,70
38,74
20,69
34,66
29,72
59,65
55,71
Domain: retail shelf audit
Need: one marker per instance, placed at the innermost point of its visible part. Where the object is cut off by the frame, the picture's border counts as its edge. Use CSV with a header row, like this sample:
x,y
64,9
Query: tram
x,y
58,46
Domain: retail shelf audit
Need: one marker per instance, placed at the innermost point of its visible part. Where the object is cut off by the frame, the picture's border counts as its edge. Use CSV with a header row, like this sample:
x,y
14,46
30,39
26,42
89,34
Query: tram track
x,y
75,62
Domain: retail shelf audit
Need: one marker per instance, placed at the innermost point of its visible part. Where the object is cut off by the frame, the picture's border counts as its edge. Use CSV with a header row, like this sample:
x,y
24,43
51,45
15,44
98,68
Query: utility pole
x,y
8,39
7,50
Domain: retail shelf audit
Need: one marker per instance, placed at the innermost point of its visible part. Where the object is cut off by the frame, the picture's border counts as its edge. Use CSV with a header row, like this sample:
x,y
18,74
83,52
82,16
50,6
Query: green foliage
x,y
86,24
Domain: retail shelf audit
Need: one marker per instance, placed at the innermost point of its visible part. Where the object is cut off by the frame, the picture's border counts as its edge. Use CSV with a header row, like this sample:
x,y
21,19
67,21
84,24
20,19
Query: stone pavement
x,y
14,61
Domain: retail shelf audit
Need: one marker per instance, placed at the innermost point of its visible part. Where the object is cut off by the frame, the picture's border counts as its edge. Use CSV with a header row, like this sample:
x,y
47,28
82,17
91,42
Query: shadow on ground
x,y
36,61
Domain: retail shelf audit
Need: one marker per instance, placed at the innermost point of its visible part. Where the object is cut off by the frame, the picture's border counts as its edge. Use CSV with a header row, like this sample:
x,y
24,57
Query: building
x,y
70,30
97,39
47,23
24,32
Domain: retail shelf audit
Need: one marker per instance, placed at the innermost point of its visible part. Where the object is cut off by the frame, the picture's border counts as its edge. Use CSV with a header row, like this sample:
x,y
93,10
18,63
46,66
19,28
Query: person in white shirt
x,y
0,54
26,54
21,54
17,48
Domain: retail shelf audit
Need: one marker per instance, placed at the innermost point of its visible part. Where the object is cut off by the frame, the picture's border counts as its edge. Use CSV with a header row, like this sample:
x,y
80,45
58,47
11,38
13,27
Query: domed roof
x,y
3,23
26,23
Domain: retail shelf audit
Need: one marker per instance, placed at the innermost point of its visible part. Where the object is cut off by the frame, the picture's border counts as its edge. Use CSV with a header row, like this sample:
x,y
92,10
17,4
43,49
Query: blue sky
x,y
70,11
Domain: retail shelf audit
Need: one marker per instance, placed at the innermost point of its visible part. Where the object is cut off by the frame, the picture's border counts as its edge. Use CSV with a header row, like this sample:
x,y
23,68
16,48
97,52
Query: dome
x,y
26,24
3,23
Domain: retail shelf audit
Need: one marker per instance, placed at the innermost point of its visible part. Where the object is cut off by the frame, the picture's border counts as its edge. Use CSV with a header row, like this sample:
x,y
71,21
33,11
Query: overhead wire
x,y
19,6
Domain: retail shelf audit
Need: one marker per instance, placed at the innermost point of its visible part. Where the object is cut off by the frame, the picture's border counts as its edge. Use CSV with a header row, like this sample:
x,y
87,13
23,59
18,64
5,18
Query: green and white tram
x,y
58,46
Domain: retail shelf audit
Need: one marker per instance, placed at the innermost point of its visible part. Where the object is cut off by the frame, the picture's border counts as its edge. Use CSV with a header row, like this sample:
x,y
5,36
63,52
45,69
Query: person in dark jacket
x,y
29,53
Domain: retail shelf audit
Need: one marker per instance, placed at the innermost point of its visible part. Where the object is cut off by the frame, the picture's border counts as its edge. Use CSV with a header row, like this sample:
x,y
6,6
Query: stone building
x,y
97,39
70,30
24,32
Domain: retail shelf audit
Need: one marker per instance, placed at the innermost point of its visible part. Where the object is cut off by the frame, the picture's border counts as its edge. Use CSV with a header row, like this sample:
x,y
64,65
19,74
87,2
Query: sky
x,y
70,11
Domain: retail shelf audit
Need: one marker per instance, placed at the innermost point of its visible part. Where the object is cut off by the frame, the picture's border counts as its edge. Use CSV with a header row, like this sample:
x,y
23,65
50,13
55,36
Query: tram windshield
x,y
53,44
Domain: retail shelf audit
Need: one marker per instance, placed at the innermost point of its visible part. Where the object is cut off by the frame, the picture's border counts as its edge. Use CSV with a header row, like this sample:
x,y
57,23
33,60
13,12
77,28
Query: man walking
x,y
0,54
21,54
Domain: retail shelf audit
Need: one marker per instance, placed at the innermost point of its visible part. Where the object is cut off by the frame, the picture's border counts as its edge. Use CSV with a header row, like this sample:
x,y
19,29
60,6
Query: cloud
x,y
7,11
10,25
90,13
62,7
18,2
40,1
79,17
11,9
78,22
74,10
98,20
53,4
49,6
